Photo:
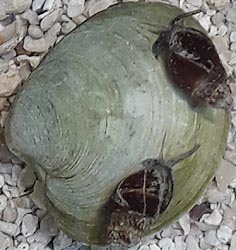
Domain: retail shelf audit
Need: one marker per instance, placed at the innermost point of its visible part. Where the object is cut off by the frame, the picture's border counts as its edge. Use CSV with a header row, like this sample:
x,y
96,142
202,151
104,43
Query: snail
x,y
141,197
193,63
93,114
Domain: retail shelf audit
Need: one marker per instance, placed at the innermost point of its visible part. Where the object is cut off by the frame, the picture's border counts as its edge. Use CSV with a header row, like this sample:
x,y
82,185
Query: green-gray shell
x,y
97,106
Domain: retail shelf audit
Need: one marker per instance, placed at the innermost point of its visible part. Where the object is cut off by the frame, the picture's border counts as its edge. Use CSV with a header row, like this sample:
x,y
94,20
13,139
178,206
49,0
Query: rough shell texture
x,y
99,105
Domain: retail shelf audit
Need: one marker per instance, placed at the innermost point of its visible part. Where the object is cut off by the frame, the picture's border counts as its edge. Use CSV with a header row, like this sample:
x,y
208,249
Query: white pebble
x,y
222,30
1,181
224,234
144,247
233,242
179,243
9,214
35,31
52,4
192,243
20,214
29,224
205,22
213,31
211,239
154,247
232,36
6,241
75,8
37,4
39,236
184,223
43,44
30,16
8,228
233,46
23,246
68,25
37,246
17,6
166,244
3,202
50,19
214,218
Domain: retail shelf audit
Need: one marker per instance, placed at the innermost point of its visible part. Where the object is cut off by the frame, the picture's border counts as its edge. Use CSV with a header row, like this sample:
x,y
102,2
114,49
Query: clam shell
x,y
99,105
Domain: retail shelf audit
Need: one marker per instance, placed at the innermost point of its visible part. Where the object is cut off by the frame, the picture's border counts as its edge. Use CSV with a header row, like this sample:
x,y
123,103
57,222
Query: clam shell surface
x,y
97,106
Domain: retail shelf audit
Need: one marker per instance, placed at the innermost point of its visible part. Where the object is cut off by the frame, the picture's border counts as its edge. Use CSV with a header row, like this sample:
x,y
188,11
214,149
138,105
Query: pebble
x,y
184,223
37,4
233,46
49,20
27,176
75,8
224,234
231,15
48,226
23,246
6,241
43,44
31,17
225,174
9,214
62,241
68,25
211,239
232,36
52,4
219,4
233,242
1,181
154,247
214,218
8,228
29,224
218,18
9,84
205,22
3,202
39,236
38,196
179,243
21,212
222,30
192,243
16,6
166,244
35,31
5,168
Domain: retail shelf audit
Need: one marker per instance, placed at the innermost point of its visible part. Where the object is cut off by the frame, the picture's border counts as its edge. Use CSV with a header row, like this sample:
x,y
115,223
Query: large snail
x,y
107,132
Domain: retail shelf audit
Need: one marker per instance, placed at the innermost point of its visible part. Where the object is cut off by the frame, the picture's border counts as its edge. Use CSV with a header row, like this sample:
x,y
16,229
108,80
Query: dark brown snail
x,y
93,115
193,63
140,198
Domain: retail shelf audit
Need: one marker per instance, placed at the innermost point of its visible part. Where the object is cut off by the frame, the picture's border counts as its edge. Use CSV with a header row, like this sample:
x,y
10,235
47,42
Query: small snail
x,y
96,107
141,197
193,63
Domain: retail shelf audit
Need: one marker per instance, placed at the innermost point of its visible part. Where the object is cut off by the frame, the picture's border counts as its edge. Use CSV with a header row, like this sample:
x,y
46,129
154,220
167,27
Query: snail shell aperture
x,y
97,108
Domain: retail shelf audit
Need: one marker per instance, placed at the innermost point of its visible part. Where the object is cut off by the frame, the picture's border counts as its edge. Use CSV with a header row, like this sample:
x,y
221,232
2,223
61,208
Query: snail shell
x,y
193,63
97,107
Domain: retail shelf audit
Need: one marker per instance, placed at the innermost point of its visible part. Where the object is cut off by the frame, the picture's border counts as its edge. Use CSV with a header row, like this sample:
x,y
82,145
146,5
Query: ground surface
x,y
27,30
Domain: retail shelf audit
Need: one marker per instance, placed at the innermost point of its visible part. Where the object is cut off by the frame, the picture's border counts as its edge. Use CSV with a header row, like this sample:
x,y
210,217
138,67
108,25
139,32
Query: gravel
x,y
28,29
